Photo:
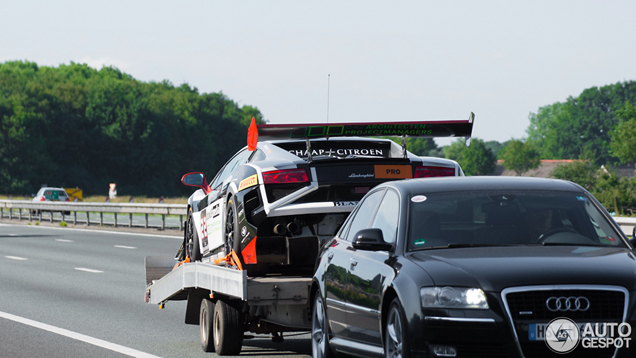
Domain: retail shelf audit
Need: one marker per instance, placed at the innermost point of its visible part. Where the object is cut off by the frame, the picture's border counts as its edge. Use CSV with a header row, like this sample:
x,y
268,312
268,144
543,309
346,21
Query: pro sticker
x,y
418,198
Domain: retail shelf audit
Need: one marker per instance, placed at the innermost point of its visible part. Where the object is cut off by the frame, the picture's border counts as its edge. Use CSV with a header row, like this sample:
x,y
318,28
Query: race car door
x,y
369,272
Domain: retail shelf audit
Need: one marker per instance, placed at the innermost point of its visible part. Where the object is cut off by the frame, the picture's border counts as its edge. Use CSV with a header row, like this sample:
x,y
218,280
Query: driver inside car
x,y
539,221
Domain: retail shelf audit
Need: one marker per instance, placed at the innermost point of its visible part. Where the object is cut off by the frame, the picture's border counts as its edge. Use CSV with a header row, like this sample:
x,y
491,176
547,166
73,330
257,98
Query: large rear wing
x,y
421,129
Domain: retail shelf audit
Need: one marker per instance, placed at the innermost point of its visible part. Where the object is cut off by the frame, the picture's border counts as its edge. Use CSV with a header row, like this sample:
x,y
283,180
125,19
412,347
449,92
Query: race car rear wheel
x,y
191,240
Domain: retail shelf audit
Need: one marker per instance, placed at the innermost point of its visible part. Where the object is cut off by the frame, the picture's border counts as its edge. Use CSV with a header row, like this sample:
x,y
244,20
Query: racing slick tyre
x,y
395,342
320,330
227,329
206,317
191,240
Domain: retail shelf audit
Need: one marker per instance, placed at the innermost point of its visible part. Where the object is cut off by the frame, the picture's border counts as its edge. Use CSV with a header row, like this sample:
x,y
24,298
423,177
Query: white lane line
x,y
78,336
125,247
88,270
16,258
63,240
102,231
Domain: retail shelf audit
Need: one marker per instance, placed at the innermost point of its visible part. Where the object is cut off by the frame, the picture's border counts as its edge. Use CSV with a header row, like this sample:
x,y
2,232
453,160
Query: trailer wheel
x,y
228,329
206,318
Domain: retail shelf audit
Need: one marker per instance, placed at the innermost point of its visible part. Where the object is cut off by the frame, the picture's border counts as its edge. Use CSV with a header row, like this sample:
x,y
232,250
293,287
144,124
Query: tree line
x,y
75,126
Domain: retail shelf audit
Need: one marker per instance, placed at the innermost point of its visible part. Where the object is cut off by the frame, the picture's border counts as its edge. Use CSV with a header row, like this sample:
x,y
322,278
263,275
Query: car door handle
x,y
354,263
330,256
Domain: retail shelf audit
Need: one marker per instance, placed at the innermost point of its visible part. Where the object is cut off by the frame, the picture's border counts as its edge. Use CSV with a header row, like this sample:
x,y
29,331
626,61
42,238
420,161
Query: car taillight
x,y
285,176
67,199
429,172
42,198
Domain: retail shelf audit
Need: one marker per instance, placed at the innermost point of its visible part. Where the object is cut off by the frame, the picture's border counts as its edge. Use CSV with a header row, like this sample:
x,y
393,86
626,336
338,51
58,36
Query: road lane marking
x,y
64,240
88,270
102,231
78,336
125,247
16,258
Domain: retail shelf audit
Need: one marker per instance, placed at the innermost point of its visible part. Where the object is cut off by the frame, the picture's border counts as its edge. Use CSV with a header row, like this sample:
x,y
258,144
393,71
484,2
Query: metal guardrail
x,y
626,223
34,210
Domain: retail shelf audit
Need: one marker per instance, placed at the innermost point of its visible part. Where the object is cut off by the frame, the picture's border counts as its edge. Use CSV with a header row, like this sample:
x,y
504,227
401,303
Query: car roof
x,y
446,184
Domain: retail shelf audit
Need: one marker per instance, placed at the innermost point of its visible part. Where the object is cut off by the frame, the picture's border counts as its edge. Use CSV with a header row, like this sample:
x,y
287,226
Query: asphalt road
x,y
79,293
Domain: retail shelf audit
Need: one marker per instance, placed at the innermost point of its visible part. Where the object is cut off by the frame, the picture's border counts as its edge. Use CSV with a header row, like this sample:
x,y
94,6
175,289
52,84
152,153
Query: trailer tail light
x,y
287,176
430,172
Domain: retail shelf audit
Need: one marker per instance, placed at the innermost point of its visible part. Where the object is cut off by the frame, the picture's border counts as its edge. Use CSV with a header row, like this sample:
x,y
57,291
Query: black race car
x,y
476,267
269,208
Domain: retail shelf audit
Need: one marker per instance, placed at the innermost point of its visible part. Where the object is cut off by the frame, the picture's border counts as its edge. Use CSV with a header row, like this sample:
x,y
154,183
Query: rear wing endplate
x,y
420,129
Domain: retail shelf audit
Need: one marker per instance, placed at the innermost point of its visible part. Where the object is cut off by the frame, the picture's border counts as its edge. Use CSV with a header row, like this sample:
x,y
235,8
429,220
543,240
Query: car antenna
x,y
328,86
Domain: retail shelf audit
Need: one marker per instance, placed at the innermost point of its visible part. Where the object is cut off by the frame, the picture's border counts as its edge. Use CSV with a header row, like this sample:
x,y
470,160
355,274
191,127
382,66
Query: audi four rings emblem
x,y
563,304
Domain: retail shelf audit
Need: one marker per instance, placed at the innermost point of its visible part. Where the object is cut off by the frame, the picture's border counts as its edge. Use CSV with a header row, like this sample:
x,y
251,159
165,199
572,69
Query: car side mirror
x,y
371,240
196,179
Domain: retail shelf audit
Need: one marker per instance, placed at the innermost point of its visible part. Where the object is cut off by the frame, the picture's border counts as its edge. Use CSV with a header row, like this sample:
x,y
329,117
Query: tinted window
x,y
363,215
387,217
508,218
231,166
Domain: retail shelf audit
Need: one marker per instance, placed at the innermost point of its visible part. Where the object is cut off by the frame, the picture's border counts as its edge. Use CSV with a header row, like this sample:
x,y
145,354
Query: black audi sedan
x,y
476,267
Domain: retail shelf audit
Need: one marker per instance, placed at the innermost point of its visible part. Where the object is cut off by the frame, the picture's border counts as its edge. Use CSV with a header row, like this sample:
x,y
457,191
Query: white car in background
x,y
51,194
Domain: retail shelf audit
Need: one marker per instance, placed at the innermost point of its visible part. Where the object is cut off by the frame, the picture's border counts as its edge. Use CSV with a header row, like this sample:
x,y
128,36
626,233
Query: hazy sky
x,y
387,60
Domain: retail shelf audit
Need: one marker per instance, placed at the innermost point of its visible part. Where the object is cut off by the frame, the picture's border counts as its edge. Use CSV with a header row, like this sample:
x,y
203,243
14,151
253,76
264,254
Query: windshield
x,y
507,218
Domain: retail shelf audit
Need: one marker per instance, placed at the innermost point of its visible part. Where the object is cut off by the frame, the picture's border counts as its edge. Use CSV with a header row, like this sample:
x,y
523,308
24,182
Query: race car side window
x,y
230,167
363,215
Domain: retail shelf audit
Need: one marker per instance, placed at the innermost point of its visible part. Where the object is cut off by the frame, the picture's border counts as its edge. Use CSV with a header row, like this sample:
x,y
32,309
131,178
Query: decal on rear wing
x,y
422,129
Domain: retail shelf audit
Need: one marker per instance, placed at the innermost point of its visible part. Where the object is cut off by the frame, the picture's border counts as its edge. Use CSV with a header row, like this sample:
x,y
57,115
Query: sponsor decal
x,y
204,228
416,129
393,171
248,182
345,203
419,242
216,210
418,198
244,231
339,152
354,175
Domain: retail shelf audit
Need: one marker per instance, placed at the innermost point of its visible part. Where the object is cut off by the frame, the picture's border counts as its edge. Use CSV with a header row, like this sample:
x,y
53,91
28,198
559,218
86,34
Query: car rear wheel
x,y
395,343
319,330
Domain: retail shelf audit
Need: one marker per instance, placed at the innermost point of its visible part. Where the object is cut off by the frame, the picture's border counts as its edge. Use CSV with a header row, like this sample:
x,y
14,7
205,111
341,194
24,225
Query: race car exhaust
x,y
280,229
293,228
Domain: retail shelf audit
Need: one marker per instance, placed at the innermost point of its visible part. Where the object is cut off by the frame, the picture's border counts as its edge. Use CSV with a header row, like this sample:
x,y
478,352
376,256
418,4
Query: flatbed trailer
x,y
226,303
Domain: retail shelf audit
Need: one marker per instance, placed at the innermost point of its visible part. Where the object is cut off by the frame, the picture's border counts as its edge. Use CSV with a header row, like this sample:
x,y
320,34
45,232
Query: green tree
x,y
520,156
580,126
475,159
623,136
73,125
582,172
